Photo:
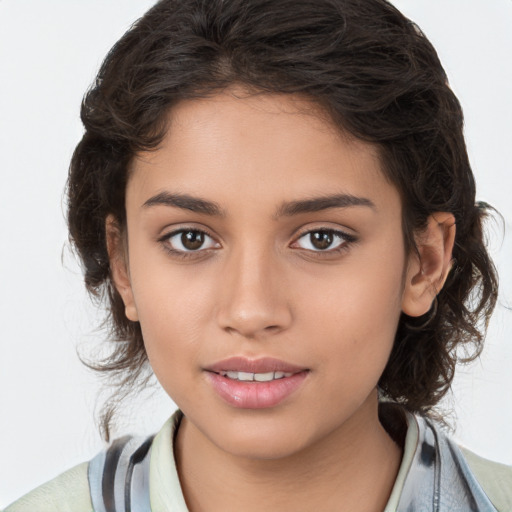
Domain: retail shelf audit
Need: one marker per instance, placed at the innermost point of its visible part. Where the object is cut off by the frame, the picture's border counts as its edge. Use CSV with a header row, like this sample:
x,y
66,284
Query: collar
x,y
434,475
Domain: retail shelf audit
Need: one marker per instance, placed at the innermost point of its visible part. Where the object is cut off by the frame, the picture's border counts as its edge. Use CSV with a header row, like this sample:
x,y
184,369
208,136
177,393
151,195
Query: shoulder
x,y
68,491
494,478
436,468
91,485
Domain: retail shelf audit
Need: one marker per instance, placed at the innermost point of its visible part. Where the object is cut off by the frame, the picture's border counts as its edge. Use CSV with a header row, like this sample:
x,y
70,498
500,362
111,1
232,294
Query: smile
x,y
255,377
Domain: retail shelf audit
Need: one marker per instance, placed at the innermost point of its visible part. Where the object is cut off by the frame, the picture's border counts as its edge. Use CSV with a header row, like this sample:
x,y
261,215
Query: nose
x,y
252,300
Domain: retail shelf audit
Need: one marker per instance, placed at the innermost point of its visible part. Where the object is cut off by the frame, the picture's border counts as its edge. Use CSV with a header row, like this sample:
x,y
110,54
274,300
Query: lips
x,y
255,384
262,365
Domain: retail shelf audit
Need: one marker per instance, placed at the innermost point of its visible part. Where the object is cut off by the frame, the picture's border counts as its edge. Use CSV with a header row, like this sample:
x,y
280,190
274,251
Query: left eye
x,y
322,240
190,240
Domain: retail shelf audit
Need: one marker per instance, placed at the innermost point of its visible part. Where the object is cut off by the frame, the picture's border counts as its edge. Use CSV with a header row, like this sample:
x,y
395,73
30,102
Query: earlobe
x,y
119,267
429,266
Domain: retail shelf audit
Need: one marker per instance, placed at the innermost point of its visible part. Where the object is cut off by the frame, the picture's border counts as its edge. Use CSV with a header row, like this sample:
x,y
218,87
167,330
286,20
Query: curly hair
x,y
376,75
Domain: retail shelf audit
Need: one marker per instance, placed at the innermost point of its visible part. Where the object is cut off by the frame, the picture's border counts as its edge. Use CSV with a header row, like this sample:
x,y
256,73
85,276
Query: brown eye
x,y
324,240
189,240
192,240
321,240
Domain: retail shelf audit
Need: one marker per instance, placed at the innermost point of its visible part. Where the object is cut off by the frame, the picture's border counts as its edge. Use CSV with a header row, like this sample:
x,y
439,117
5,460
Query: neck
x,y
352,469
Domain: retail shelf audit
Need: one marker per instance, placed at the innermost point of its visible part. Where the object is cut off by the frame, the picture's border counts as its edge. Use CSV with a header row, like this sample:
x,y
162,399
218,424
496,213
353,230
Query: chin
x,y
262,440
263,447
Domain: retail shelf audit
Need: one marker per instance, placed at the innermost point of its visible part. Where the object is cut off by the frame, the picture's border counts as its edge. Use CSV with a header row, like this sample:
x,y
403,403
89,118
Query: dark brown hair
x,y
376,75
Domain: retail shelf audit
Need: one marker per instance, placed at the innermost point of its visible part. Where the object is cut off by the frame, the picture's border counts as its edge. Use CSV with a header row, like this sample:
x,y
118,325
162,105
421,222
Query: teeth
x,y
264,377
258,377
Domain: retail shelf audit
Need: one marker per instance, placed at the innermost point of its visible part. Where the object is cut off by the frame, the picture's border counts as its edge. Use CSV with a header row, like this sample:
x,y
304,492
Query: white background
x,y
49,53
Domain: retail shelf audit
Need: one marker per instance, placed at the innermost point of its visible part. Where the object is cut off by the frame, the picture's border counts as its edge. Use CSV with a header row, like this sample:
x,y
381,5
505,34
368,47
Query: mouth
x,y
255,377
255,384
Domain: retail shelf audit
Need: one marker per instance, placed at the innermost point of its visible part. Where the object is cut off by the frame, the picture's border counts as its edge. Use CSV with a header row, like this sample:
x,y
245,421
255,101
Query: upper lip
x,y
261,365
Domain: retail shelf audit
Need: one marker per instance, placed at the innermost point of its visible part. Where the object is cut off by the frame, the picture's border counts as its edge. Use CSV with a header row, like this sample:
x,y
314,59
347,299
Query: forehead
x,y
265,148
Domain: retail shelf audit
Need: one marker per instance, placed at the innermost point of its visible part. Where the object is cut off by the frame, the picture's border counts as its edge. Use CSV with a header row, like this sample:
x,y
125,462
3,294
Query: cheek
x,y
363,292
172,332
171,307
171,316
355,311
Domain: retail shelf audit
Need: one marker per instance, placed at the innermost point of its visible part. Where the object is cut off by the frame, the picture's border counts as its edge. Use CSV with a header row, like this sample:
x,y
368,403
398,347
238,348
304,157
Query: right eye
x,y
189,240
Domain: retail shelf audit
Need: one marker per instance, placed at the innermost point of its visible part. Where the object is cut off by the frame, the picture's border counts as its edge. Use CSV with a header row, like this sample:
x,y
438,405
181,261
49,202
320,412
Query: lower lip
x,y
255,395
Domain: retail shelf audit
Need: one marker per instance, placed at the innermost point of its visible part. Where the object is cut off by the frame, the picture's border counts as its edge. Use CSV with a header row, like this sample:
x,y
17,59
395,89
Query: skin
x,y
257,287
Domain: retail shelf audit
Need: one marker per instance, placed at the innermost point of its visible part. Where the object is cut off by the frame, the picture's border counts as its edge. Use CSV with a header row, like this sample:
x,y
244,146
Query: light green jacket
x,y
69,492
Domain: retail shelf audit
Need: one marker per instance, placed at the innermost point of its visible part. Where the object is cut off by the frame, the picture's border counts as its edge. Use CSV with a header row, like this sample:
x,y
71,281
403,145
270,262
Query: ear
x,y
429,267
119,269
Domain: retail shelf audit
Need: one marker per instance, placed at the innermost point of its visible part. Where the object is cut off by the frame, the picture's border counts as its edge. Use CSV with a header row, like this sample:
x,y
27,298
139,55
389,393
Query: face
x,y
266,266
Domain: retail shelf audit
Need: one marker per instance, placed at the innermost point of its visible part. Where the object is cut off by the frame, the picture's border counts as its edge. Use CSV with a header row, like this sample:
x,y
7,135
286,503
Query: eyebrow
x,y
318,204
185,202
287,209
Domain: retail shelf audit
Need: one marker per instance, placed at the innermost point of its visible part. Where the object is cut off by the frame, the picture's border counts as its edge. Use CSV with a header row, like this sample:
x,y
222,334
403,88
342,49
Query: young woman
x,y
275,199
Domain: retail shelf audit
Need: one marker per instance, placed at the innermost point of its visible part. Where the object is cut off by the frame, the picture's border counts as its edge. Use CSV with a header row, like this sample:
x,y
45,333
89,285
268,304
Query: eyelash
x,y
346,240
165,241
